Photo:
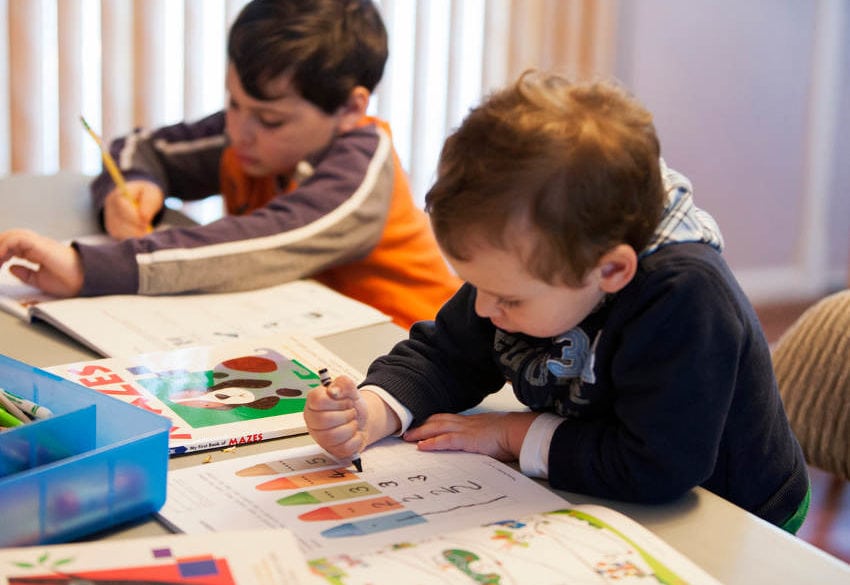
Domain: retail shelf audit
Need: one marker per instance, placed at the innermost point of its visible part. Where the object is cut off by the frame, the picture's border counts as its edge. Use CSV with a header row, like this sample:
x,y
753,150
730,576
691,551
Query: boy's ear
x,y
354,108
617,267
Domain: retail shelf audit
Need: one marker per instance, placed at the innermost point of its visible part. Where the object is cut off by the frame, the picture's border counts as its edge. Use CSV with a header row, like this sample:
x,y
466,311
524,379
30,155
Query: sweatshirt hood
x,y
682,221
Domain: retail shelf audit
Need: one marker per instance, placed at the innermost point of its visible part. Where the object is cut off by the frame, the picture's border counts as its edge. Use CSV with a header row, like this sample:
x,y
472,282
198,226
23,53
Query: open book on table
x,y
263,557
447,517
221,395
126,325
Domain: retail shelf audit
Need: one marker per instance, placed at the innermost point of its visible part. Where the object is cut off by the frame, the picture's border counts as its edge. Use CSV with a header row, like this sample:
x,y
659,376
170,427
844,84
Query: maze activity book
x,y
217,396
438,517
262,557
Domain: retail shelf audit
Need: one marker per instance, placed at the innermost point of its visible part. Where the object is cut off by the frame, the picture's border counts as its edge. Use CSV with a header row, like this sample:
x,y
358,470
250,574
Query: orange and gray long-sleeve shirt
x,y
347,219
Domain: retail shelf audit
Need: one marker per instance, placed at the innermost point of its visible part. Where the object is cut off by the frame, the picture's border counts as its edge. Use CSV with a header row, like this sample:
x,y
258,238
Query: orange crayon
x,y
311,479
259,469
352,509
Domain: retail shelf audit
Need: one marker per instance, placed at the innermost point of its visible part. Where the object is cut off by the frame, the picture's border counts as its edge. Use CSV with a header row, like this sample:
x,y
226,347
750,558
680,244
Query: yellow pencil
x,y
110,165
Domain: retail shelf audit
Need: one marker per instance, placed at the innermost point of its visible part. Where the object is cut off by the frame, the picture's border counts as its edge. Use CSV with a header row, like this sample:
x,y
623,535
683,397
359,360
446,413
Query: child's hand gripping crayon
x,y
336,414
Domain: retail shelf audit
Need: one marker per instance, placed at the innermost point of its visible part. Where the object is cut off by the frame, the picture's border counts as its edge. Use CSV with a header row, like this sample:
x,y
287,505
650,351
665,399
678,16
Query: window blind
x,y
128,63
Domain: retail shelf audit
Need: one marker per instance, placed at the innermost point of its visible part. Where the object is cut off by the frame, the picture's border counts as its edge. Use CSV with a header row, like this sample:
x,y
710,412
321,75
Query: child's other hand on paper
x,y
497,434
131,217
59,270
343,420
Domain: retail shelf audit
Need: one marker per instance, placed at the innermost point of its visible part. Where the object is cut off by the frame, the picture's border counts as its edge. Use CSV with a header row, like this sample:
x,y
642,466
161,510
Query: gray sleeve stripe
x,y
125,157
382,154
190,146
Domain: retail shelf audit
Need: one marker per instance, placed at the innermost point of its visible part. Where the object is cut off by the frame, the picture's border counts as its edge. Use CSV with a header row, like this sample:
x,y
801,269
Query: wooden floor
x,y
827,525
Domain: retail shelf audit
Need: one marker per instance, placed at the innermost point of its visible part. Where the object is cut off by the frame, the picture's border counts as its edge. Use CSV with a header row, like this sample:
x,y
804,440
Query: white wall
x,y
751,102
839,245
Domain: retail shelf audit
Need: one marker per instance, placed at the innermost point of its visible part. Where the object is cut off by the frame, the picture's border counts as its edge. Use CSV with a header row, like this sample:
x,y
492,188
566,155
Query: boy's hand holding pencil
x,y
130,206
336,417
125,219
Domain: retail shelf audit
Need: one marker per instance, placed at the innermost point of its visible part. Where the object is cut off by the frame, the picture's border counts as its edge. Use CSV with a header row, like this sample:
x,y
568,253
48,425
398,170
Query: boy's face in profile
x,y
518,302
272,136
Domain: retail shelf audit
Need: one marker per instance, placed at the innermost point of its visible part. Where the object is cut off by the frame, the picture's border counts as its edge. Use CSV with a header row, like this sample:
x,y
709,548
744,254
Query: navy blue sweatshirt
x,y
667,386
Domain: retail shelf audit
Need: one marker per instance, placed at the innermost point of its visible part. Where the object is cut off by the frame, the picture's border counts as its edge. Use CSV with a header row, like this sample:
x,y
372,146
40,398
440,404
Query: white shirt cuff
x,y
401,411
534,454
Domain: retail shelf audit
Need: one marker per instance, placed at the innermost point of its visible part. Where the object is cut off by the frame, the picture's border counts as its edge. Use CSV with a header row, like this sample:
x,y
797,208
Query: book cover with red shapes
x,y
217,396
256,557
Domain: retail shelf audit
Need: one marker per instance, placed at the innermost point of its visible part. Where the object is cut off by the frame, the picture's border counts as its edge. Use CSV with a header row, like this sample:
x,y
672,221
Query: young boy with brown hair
x,y
597,289
312,185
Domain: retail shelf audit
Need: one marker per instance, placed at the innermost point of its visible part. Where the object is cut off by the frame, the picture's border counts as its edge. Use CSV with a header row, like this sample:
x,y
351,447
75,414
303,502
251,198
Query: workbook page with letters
x,y
435,517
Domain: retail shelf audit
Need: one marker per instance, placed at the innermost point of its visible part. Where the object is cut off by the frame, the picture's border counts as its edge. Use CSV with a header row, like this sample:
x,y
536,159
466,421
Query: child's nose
x,y
486,305
239,128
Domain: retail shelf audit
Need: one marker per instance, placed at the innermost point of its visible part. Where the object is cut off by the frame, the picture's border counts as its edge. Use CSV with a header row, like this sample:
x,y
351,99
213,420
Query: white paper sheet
x,y
403,494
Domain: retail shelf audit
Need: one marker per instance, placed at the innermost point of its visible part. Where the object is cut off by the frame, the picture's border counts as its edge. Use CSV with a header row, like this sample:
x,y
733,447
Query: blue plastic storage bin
x,y
97,462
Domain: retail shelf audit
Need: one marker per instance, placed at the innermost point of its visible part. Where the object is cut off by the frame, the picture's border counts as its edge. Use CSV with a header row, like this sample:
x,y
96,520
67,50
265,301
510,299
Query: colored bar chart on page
x,y
403,495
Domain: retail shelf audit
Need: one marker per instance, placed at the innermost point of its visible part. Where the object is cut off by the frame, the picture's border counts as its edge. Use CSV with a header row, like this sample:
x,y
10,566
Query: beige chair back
x,y
812,364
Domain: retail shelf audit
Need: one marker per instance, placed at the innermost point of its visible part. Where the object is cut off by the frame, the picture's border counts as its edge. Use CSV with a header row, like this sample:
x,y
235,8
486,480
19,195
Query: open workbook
x,y
220,395
123,325
418,517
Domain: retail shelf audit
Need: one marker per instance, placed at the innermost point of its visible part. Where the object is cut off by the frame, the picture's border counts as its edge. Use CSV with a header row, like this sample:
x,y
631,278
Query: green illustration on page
x,y
242,388
562,546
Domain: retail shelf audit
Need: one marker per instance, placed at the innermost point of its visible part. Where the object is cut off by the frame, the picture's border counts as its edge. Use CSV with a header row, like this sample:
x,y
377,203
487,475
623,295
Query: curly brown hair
x,y
558,171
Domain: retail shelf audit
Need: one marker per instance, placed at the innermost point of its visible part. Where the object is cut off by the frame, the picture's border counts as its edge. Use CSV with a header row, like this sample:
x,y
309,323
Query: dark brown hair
x,y
328,46
559,171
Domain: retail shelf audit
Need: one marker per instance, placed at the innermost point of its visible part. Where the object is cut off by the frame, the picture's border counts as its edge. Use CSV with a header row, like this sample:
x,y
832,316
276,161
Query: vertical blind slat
x,y
454,80
497,29
395,95
585,51
554,52
193,38
603,37
419,110
117,98
383,93
148,62
25,59
70,84
5,89
429,92
205,54
525,46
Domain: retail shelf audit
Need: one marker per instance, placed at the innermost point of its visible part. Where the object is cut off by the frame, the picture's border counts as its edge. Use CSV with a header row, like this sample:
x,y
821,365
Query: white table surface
x,y
729,543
